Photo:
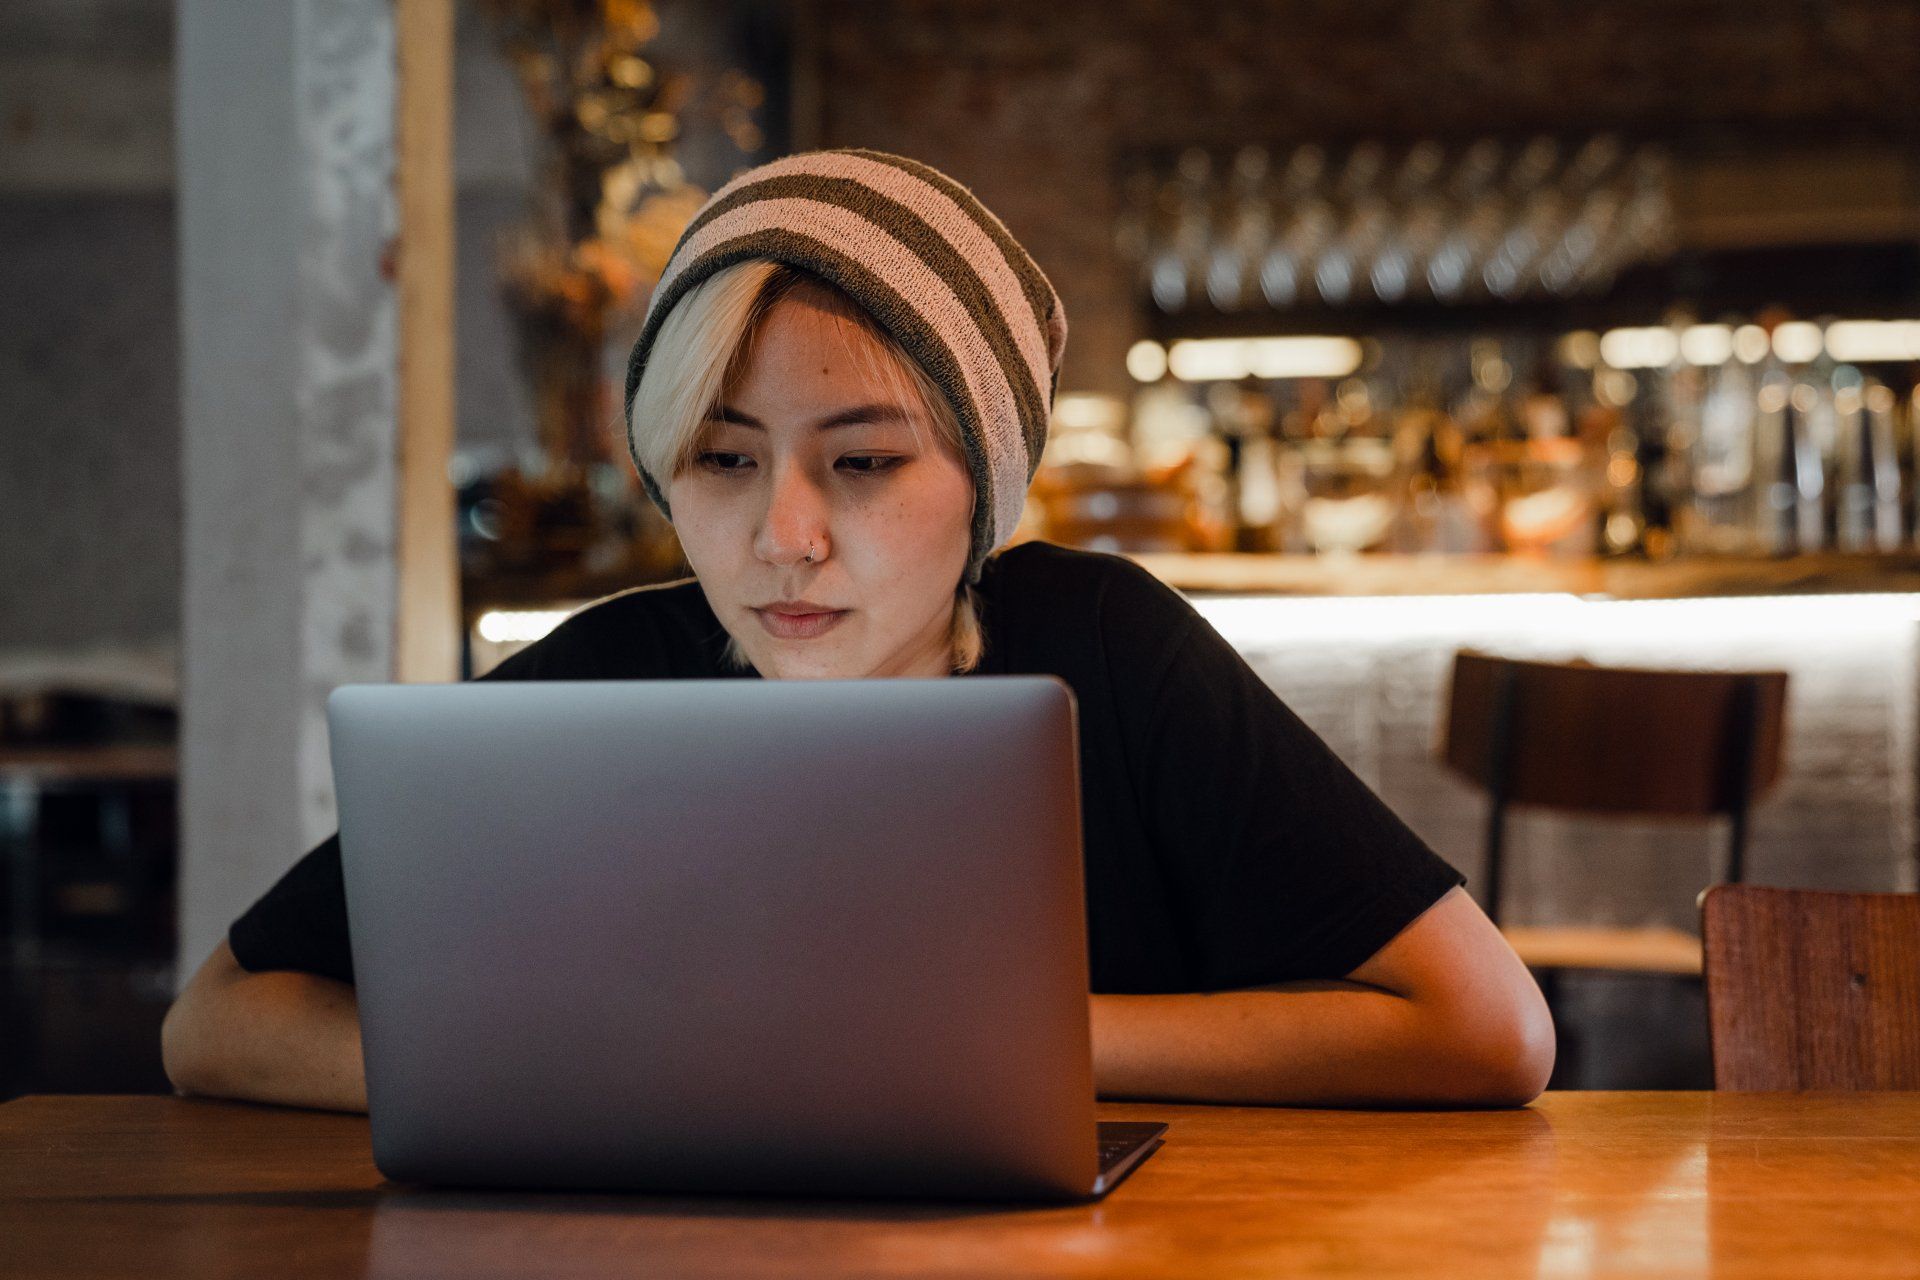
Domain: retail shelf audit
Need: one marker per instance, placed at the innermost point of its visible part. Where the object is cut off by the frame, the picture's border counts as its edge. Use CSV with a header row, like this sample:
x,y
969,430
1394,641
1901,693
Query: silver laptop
x,y
808,937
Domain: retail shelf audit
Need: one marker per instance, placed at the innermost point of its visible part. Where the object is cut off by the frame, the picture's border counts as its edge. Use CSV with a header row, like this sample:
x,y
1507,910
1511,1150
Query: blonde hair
x,y
703,344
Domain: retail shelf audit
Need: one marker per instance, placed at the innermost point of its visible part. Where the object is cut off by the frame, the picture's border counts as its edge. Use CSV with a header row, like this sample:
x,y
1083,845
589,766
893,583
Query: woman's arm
x,y
290,1038
1444,1015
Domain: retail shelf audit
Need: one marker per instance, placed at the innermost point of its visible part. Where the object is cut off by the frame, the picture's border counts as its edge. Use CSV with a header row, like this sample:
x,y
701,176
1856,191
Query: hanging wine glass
x,y
1404,256
1511,268
1531,167
1494,219
1418,169
1298,246
1591,164
1352,256
1248,228
1568,264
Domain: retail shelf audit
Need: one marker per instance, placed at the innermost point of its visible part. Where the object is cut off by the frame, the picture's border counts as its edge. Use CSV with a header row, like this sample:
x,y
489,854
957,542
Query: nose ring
x,y
809,552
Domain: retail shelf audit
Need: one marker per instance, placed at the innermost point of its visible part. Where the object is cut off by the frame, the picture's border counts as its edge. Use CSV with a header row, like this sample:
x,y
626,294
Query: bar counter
x,y
1381,575
1361,649
1579,1184
1618,579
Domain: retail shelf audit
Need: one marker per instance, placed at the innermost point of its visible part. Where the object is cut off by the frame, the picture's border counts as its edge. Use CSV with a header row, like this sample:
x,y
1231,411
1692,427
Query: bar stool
x,y
1579,738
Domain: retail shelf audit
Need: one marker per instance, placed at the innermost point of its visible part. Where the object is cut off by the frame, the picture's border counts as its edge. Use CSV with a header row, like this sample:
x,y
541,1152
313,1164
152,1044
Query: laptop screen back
x,y
731,935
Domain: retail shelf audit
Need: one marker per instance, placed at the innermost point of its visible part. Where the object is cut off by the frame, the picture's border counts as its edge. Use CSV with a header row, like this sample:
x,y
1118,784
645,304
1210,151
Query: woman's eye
x,y
868,464
865,464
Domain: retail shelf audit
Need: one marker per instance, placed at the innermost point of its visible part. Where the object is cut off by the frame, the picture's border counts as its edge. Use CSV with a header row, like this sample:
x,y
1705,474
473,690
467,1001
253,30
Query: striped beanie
x,y
933,268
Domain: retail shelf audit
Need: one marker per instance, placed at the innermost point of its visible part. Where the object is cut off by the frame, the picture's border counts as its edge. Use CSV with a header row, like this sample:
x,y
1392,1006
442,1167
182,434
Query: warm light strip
x,y
1270,621
1651,348
1146,361
507,626
1279,620
1795,342
1230,359
1706,344
1867,341
1798,341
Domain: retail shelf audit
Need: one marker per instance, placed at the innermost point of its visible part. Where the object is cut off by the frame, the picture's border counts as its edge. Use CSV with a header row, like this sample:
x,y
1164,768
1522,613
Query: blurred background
x,y
1568,332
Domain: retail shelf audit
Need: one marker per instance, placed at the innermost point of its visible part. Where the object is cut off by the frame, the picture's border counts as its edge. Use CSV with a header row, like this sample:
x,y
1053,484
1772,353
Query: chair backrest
x,y
1574,736
1808,989
1613,739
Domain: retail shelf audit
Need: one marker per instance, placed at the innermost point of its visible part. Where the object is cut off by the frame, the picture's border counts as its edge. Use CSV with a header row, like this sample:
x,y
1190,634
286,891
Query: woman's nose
x,y
795,521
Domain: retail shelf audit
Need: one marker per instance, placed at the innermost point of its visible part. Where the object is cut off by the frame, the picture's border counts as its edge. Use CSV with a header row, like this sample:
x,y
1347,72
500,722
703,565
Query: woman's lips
x,y
799,626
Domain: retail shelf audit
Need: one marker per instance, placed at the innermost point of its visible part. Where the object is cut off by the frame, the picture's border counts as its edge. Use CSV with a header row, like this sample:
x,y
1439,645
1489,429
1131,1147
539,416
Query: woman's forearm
x,y
1328,1043
288,1038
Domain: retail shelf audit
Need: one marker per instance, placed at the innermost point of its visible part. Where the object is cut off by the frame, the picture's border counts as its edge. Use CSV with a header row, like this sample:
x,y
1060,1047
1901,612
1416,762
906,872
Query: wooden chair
x,y
1579,738
1808,989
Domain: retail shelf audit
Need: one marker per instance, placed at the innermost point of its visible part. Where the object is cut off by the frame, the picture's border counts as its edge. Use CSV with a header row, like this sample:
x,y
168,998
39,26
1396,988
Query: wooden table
x,y
1580,1184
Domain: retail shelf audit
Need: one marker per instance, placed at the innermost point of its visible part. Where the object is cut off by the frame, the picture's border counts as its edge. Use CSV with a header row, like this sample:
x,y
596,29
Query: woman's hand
x,y
1444,1015
289,1038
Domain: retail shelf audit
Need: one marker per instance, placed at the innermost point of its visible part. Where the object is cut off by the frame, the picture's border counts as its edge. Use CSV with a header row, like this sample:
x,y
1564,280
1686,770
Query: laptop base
x,y
1124,1146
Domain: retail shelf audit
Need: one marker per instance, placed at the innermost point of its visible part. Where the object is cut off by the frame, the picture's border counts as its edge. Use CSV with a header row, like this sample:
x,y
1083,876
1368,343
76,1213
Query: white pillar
x,y
295,490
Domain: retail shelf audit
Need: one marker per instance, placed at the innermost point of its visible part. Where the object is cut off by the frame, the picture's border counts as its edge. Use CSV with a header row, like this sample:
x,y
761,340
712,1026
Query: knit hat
x,y
931,265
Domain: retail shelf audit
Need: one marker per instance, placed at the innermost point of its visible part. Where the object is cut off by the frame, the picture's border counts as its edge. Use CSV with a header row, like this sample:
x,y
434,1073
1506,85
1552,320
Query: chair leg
x,y
1737,845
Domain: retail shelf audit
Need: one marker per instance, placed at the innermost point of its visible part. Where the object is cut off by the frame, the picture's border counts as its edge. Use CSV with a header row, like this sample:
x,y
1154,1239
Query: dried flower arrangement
x,y
611,204
614,198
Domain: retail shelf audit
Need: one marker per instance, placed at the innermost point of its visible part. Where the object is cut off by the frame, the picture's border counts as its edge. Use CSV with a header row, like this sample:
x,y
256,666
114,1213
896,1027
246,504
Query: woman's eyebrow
x,y
853,416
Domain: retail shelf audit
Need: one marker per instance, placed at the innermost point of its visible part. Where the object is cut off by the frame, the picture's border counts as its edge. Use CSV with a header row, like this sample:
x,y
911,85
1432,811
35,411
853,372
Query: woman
x,y
839,396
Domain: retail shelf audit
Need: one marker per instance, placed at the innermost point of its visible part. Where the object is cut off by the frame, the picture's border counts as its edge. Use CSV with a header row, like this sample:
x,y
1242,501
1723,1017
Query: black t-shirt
x,y
1226,846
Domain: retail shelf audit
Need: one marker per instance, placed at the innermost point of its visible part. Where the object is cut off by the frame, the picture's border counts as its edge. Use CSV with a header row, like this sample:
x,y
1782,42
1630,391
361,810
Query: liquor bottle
x,y
1823,445
1906,427
1543,410
1260,506
1719,513
1776,531
1608,434
1905,421
1435,514
1652,420
1867,471
1809,431
1244,417
1889,498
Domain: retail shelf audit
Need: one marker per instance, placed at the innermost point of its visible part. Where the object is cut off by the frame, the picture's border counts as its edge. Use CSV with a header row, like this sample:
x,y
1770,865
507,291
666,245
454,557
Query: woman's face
x,y
812,443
